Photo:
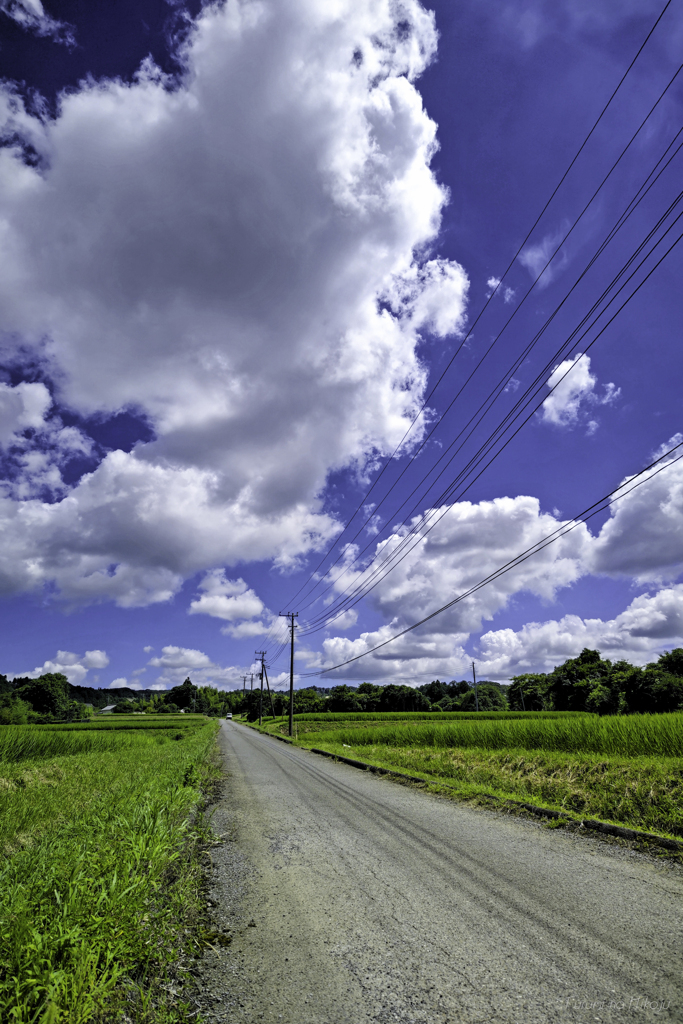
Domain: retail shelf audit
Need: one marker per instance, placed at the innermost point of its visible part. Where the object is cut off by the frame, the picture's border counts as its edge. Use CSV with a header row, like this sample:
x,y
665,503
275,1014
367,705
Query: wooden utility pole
x,y
244,684
261,656
292,625
474,676
272,706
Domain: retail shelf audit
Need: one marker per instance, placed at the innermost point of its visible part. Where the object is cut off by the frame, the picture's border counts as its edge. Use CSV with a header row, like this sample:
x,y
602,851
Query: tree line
x,y
586,683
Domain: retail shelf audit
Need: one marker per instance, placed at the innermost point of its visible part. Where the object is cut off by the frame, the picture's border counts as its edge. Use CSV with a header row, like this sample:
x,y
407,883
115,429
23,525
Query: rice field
x,y
621,735
22,742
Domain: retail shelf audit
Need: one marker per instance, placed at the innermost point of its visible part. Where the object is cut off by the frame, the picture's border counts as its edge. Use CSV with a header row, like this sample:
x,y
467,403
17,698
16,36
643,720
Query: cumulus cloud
x,y
642,540
650,624
469,542
234,258
74,666
179,663
233,601
37,446
574,386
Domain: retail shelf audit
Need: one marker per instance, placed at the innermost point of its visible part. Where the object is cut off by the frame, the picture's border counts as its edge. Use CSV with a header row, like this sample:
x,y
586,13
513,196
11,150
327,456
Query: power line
x,y
425,402
361,589
496,393
599,506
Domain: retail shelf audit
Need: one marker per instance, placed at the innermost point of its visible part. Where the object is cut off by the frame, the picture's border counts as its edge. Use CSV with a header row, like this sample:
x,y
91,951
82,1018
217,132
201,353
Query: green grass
x,y
100,882
324,721
623,735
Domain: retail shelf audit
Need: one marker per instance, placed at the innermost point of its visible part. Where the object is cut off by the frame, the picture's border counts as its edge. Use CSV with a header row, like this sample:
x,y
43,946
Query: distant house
x,y
108,710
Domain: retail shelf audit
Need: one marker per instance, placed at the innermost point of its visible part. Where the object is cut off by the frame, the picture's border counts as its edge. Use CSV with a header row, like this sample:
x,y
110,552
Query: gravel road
x,y
353,899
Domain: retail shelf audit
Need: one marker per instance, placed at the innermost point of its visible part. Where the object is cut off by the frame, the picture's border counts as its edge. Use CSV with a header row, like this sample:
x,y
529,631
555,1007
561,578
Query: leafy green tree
x,y
308,701
370,696
489,697
530,692
344,698
48,695
403,698
671,662
183,696
572,683
13,711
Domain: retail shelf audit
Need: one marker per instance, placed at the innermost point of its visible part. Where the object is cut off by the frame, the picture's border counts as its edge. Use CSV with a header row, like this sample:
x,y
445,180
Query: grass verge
x,y
100,878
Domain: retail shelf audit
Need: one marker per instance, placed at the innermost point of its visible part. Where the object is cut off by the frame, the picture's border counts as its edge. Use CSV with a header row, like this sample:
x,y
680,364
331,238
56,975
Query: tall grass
x,y
624,735
22,742
432,716
100,886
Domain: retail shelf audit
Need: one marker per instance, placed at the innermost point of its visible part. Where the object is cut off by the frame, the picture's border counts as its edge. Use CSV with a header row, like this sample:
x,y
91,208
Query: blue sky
x,y
242,243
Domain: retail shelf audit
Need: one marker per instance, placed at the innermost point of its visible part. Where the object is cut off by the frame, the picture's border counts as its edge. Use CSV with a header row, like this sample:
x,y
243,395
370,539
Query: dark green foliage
x,y
49,695
403,698
672,662
530,692
488,696
343,698
13,711
595,684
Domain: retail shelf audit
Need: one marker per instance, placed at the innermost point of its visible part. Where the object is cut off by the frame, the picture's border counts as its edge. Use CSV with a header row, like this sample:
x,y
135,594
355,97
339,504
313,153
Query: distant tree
x,y
168,708
47,695
370,696
344,698
13,711
403,698
308,701
572,683
530,692
184,696
489,697
671,662
435,692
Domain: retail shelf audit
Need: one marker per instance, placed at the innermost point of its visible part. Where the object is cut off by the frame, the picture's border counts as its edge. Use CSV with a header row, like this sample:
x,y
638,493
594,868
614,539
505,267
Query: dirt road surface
x,y
352,899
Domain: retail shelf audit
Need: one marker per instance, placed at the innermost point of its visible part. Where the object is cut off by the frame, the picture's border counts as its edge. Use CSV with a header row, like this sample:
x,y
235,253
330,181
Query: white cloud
x,y
179,663
226,599
22,407
121,681
468,543
235,258
345,620
74,666
506,293
574,386
649,625
642,540
31,14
